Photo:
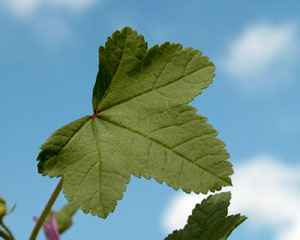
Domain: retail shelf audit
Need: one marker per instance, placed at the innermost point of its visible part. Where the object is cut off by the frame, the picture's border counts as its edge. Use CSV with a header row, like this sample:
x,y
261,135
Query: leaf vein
x,y
166,147
161,72
151,90
99,160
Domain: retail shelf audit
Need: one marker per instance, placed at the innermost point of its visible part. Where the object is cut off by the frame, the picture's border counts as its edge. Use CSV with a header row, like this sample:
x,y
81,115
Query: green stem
x,y
10,235
46,210
4,235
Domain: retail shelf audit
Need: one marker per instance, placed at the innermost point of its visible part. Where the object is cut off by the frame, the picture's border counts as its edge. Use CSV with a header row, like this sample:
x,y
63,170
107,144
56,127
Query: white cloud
x,y
178,210
265,189
52,30
261,56
50,19
23,8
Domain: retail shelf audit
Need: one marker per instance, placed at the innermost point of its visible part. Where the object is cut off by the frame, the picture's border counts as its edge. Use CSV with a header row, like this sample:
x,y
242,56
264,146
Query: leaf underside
x,y
141,125
209,220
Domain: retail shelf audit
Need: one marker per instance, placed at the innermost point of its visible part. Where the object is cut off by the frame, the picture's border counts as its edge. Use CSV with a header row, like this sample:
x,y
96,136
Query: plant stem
x,y
4,235
10,235
46,210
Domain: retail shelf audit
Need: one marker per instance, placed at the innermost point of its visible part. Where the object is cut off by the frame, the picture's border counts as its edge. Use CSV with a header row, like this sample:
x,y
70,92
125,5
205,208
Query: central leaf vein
x,y
154,89
166,147
98,159
113,76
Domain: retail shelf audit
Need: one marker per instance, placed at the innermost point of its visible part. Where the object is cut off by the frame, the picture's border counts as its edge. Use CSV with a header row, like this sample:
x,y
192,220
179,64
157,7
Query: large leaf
x,y
141,125
209,220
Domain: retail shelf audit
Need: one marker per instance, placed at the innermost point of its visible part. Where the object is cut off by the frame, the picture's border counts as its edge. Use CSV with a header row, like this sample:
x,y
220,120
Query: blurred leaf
x,y
209,220
141,125
63,217
11,210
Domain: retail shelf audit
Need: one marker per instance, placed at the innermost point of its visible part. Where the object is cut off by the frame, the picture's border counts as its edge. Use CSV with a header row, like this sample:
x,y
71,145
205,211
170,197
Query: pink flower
x,y
50,228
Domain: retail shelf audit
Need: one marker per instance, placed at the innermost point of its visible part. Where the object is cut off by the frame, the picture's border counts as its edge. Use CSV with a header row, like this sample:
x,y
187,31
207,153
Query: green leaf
x,y
122,54
64,217
141,125
11,210
209,220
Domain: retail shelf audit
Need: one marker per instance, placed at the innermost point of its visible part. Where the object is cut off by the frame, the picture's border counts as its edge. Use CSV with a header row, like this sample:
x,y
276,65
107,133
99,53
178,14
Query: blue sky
x,y
48,65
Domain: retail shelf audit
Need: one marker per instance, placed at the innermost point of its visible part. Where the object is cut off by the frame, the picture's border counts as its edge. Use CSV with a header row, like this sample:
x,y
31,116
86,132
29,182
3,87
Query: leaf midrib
x,y
116,72
98,160
153,89
166,147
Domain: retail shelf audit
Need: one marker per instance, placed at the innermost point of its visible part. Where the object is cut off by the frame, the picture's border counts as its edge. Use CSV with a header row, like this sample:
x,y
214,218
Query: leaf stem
x,y
9,235
46,210
4,235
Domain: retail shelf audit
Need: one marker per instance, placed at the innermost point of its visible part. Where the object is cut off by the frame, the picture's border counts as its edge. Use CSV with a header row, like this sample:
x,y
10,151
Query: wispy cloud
x,y
24,8
265,189
52,31
178,210
261,56
50,19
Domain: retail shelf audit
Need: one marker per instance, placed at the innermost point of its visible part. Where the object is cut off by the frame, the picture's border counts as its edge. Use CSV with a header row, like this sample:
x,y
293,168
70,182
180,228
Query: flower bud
x,y
2,207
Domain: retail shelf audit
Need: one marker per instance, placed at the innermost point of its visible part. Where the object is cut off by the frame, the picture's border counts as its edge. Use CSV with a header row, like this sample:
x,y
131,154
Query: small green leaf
x,y
209,220
11,210
64,217
141,125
